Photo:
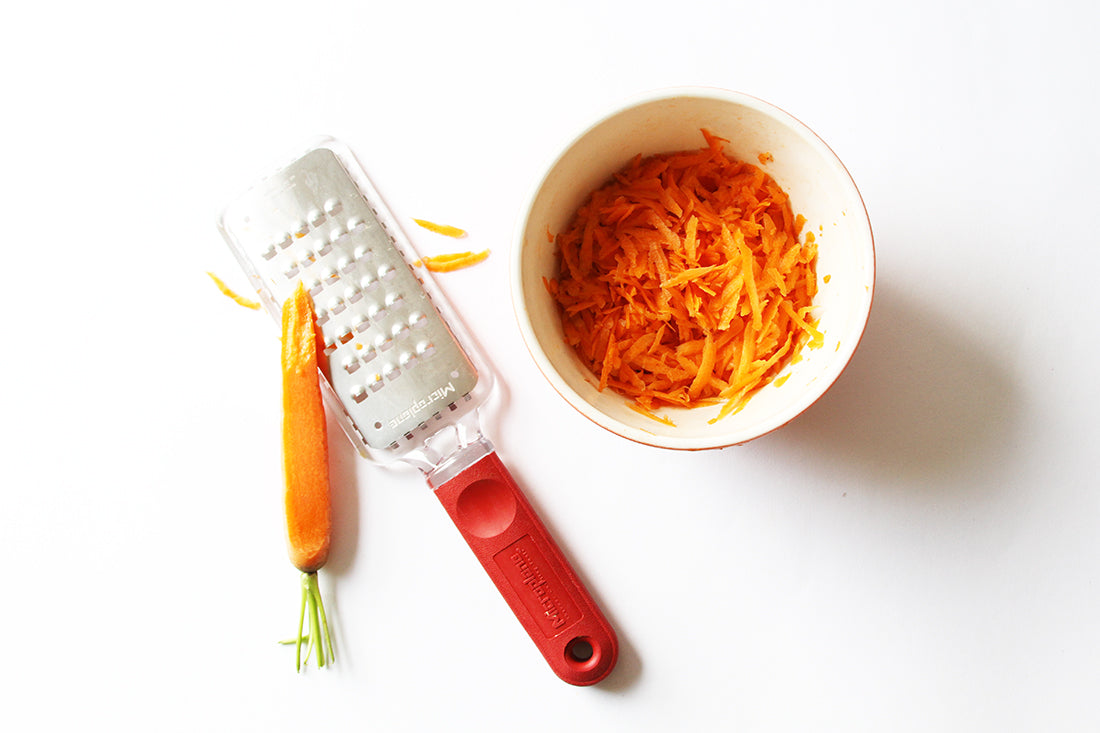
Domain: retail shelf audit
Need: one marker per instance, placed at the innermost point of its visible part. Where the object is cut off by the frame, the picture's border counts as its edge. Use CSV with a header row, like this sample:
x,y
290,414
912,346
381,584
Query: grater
x,y
405,388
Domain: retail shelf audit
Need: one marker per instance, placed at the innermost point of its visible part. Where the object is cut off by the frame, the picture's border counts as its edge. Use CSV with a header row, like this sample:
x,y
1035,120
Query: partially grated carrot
x,y
306,495
449,262
683,281
445,229
305,446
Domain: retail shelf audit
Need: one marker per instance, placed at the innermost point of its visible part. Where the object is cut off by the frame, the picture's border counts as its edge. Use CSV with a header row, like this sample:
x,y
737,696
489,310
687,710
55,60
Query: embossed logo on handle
x,y
536,585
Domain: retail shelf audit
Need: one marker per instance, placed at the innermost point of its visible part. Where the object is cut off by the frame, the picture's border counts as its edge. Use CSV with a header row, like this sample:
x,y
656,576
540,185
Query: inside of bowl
x,y
820,189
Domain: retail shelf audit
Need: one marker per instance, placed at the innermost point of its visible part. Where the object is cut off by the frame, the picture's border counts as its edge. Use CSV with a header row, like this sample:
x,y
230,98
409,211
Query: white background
x,y
919,551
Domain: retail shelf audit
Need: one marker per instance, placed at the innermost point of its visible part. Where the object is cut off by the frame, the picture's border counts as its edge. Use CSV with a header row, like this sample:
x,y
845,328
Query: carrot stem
x,y
318,638
301,623
314,624
325,636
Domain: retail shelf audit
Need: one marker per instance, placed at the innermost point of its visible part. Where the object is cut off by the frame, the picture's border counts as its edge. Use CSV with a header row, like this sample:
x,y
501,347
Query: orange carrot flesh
x,y
305,465
228,292
652,415
683,281
445,229
451,262
305,445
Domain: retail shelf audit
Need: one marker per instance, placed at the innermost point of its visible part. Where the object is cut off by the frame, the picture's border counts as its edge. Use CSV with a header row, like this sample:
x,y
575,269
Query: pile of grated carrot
x,y
683,281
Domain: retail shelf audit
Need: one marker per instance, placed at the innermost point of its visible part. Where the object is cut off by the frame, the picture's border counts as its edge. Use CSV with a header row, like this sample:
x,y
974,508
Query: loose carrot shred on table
x,y
226,291
449,262
305,465
684,282
444,229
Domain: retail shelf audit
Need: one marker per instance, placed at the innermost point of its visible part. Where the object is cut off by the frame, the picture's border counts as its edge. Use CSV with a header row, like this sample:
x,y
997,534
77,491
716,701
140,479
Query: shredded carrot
x,y
305,465
240,300
683,281
444,229
449,262
765,158
652,415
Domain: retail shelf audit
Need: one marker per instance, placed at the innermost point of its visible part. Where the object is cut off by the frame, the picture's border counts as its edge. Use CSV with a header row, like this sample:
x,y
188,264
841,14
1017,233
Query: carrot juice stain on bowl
x,y
683,281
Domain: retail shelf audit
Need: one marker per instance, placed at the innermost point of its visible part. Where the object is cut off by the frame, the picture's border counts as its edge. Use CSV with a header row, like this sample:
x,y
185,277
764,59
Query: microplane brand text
x,y
538,587
531,576
422,404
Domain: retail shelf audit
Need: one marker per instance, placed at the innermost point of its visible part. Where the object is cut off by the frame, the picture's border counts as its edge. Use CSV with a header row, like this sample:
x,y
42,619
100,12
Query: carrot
x,y
444,229
449,262
652,415
227,292
683,281
305,465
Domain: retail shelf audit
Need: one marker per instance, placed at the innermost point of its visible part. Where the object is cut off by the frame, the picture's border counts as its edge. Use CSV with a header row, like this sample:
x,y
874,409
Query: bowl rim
x,y
542,361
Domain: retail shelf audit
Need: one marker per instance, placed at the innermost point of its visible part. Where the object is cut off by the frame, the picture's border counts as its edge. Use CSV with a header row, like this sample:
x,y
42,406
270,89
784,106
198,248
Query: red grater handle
x,y
530,571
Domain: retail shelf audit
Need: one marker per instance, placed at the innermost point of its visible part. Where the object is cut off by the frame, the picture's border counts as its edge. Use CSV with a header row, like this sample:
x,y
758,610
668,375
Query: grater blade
x,y
392,362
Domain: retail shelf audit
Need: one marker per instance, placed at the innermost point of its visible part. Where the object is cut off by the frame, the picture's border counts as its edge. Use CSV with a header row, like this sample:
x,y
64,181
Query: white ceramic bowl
x,y
820,189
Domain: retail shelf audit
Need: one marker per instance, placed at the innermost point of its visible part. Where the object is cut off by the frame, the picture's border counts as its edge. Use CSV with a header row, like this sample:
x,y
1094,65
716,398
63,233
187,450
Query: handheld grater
x,y
403,386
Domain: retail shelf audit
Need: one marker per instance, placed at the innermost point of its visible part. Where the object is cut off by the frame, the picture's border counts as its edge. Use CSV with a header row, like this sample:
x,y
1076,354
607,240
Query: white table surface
x,y
920,551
